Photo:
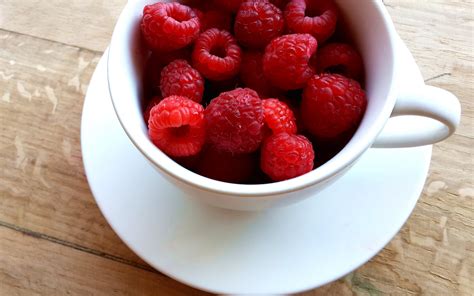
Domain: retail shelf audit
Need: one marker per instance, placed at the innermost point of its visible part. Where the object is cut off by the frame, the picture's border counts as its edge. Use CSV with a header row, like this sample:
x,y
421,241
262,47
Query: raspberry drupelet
x,y
332,105
278,116
179,78
285,156
257,23
216,55
340,58
234,121
169,26
176,126
286,62
315,17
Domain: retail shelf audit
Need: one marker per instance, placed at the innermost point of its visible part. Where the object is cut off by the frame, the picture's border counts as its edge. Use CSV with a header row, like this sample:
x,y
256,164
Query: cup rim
x,y
318,175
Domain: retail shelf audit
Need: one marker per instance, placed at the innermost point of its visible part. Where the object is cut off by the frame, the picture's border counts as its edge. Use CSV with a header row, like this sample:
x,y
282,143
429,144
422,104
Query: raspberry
x,y
152,103
156,63
251,74
286,60
215,19
169,26
235,121
216,55
229,5
340,58
257,23
179,78
278,116
177,126
315,17
295,108
227,167
332,104
286,156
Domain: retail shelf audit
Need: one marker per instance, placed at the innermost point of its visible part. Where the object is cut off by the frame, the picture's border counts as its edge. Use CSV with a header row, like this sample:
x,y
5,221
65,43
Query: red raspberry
x,y
229,5
169,26
251,74
152,103
215,19
235,121
286,156
156,63
177,126
295,108
257,23
278,116
216,55
286,60
340,58
332,104
227,167
180,79
315,17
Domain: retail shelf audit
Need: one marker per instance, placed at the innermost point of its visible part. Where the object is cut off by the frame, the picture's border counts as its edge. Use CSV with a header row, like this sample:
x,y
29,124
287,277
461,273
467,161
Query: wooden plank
x,y
433,254
43,189
43,186
32,266
439,34
87,24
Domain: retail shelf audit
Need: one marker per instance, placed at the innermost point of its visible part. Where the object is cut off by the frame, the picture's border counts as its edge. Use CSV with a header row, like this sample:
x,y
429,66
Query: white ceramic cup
x,y
376,39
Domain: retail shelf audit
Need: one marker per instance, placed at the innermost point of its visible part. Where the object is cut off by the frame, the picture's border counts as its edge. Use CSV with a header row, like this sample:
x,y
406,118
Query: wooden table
x,y
53,238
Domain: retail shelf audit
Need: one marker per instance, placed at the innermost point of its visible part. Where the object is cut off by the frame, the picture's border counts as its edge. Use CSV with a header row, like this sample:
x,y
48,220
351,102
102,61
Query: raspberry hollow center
x,y
179,15
218,50
180,131
313,10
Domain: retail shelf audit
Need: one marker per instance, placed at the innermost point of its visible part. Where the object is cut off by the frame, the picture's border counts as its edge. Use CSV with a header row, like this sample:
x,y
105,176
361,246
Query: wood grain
x,y
32,266
86,24
51,231
43,185
441,46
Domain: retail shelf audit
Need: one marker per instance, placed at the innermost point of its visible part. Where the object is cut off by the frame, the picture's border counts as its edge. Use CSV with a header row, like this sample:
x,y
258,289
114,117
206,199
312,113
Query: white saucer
x,y
284,250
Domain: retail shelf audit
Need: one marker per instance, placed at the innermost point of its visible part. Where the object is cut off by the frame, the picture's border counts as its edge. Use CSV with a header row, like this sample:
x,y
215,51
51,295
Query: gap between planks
x,y
78,247
53,41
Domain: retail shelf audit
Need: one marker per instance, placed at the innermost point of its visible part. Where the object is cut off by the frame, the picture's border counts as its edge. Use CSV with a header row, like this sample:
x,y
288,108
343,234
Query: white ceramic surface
x,y
374,33
283,250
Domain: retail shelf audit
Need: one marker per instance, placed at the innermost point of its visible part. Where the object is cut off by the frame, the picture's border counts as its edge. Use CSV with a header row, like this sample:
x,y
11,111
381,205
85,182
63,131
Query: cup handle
x,y
426,101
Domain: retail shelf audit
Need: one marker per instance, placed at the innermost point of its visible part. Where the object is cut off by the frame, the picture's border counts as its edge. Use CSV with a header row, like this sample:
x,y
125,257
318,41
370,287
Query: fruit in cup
x,y
315,17
180,79
169,26
257,23
286,61
217,55
234,121
273,98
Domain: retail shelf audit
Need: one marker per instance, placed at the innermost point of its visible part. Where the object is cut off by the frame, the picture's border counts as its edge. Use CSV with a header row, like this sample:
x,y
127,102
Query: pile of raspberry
x,y
250,91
